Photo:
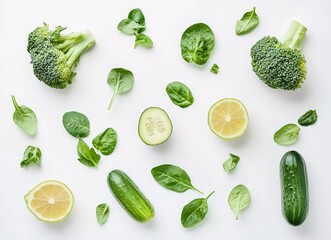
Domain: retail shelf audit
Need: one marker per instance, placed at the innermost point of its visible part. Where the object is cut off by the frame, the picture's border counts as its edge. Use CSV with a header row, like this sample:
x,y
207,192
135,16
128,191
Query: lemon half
x,y
228,118
50,201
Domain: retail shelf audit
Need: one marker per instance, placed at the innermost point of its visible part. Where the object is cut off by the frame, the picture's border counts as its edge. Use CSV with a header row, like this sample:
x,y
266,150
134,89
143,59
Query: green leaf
x,y
180,94
106,141
197,43
76,124
102,213
121,81
287,135
247,23
239,199
143,40
137,16
194,212
130,27
32,155
25,118
86,155
173,178
309,118
214,69
230,164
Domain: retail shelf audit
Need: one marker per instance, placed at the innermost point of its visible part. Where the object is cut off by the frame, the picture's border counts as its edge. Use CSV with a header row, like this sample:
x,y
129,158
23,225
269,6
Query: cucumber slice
x,y
154,126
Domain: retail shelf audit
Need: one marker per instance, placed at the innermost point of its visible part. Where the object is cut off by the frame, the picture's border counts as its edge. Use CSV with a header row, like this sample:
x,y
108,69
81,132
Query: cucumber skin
x,y
129,196
294,188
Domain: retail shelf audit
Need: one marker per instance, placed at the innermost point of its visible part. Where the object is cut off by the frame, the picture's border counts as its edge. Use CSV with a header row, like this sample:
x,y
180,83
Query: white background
x,y
192,145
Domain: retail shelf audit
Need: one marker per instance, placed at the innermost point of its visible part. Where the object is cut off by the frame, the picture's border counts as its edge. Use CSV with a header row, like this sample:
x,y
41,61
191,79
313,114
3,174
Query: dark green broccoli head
x,y
55,56
280,65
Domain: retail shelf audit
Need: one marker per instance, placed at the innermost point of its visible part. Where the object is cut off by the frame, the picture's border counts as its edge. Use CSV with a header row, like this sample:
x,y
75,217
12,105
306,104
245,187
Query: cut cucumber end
x,y
154,126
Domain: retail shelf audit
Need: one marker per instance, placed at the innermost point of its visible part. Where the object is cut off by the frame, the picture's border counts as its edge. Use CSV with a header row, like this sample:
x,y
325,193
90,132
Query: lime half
x,y
228,118
50,201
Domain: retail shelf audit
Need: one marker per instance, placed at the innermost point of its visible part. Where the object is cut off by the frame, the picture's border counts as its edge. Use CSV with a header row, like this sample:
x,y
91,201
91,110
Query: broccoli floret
x,y
54,56
279,63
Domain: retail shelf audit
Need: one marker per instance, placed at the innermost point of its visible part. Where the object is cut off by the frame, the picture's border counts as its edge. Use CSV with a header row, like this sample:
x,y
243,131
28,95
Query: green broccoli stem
x,y
74,45
294,36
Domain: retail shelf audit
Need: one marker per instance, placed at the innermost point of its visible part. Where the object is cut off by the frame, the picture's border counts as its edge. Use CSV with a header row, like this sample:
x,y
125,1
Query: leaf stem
x,y
17,108
197,190
209,195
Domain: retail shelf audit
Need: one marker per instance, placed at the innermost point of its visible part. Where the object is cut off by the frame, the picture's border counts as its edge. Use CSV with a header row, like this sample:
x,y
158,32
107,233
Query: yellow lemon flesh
x,y
228,118
50,201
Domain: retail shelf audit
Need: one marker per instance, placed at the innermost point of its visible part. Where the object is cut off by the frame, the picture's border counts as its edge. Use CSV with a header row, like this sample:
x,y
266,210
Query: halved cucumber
x,y
154,126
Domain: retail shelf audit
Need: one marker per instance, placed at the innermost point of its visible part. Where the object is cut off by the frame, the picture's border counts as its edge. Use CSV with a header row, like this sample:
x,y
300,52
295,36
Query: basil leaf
x,y
195,212
197,43
247,23
287,135
309,118
239,199
76,124
180,94
214,69
173,178
121,81
32,155
102,213
137,16
130,27
106,141
143,40
230,164
25,118
86,155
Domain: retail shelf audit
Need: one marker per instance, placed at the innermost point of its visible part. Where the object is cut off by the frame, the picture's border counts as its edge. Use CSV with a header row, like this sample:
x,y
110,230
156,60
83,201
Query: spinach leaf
x,y
197,43
102,213
130,27
137,16
121,81
230,164
173,178
239,199
143,40
32,155
180,94
76,124
195,212
25,118
309,118
86,155
287,135
247,23
106,141
214,69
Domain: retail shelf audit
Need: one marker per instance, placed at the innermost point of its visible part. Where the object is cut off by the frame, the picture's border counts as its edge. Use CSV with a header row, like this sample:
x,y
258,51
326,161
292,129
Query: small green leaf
x,y
25,118
230,164
239,199
309,118
247,23
143,40
86,155
180,94
32,155
130,27
121,81
137,16
195,212
214,69
173,178
197,43
287,135
76,124
102,213
106,141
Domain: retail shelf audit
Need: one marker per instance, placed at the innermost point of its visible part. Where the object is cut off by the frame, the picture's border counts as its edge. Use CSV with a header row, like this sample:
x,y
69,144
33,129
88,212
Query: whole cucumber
x,y
129,196
294,188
